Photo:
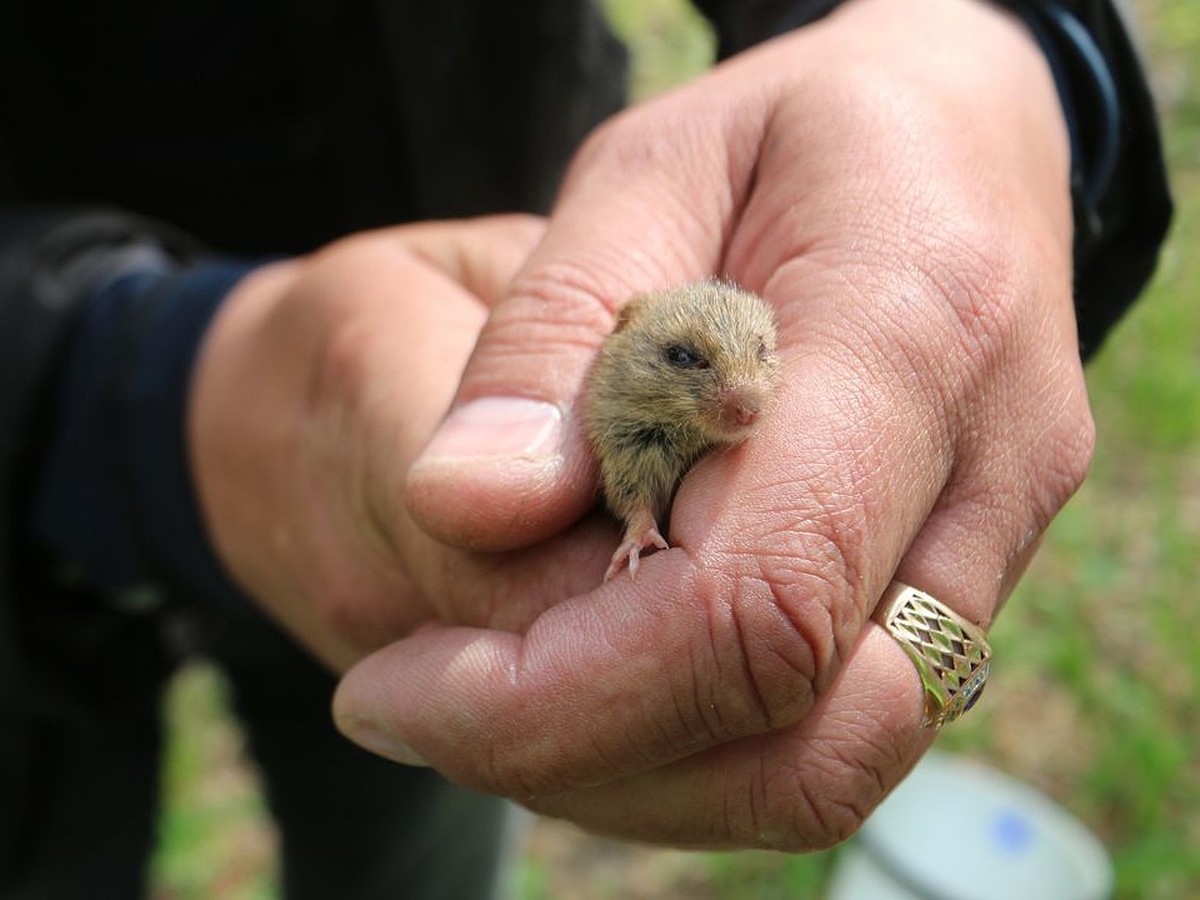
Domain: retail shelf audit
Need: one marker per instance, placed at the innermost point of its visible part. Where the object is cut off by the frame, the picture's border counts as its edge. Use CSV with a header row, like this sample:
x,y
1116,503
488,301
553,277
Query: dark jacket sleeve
x,y
43,256
1119,188
1119,184
109,498
31,337
100,317
46,261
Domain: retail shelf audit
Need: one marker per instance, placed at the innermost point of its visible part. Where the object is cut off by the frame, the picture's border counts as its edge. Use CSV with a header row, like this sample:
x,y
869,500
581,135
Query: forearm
x,y
105,497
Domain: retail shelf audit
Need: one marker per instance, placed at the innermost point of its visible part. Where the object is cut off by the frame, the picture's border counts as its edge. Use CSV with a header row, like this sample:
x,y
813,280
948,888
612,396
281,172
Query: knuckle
x,y
342,371
565,292
992,327
523,227
1075,445
1079,449
978,285
336,612
801,811
742,701
1064,461
809,594
556,318
604,143
556,306
623,144
794,613
824,802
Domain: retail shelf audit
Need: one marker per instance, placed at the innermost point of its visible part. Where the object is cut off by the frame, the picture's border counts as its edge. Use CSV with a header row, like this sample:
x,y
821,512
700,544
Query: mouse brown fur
x,y
685,370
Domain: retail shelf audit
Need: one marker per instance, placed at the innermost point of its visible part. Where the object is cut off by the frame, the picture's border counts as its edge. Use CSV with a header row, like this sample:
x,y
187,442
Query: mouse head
x,y
705,355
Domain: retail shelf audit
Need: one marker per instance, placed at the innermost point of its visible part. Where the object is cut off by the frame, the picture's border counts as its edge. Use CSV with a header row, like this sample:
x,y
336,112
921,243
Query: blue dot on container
x,y
1011,832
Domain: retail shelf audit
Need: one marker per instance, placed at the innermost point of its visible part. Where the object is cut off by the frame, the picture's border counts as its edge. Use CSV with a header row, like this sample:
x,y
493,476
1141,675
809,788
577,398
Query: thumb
x,y
646,204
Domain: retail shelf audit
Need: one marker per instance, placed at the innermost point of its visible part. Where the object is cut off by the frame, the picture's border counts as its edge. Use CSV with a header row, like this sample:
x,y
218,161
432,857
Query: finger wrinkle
x,y
825,802
803,822
709,712
818,572
528,339
754,806
735,706
863,752
559,291
762,711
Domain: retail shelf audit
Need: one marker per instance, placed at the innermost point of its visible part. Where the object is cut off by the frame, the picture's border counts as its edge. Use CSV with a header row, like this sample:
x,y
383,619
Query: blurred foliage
x,y
216,839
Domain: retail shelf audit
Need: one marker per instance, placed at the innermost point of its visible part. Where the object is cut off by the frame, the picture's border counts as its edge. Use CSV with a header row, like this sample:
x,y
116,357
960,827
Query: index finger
x,y
733,632
648,204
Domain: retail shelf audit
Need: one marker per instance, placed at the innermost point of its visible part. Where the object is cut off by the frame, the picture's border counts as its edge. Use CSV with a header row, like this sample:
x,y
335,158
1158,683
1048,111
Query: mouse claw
x,y
636,540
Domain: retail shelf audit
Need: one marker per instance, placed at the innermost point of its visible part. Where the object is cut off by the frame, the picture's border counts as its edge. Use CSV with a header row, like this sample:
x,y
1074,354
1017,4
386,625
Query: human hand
x,y
894,180
317,384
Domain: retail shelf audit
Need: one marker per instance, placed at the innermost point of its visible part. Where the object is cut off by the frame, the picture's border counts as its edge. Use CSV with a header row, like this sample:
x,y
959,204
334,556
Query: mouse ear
x,y
634,307
629,312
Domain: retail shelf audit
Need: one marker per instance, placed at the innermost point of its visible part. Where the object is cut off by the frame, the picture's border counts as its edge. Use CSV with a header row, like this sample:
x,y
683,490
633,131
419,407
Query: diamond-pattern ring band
x,y
952,655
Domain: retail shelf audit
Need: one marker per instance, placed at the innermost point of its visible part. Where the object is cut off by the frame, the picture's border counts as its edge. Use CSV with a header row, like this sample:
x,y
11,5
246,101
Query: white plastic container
x,y
958,830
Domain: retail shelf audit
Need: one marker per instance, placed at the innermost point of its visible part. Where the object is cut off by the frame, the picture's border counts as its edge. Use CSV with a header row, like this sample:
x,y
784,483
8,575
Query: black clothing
x,y
252,127
263,127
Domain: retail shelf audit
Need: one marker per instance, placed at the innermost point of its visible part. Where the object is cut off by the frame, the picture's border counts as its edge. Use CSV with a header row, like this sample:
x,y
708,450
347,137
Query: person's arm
x,y
114,446
317,383
107,310
1119,188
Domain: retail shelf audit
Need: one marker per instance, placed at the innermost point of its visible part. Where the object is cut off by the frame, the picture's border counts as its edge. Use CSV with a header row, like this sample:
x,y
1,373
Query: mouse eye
x,y
684,357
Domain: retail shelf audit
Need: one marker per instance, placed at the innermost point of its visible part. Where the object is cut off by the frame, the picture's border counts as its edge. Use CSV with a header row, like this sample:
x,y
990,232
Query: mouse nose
x,y
743,413
740,407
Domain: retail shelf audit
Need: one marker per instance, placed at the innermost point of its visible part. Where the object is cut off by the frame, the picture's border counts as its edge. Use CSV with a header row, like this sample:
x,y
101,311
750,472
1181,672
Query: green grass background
x,y
1095,697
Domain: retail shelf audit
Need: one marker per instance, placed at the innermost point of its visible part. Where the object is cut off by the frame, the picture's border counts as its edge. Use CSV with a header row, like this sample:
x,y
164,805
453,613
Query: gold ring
x,y
952,655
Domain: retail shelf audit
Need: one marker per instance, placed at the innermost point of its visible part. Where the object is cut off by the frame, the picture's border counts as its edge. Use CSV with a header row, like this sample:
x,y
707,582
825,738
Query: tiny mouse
x,y
685,370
